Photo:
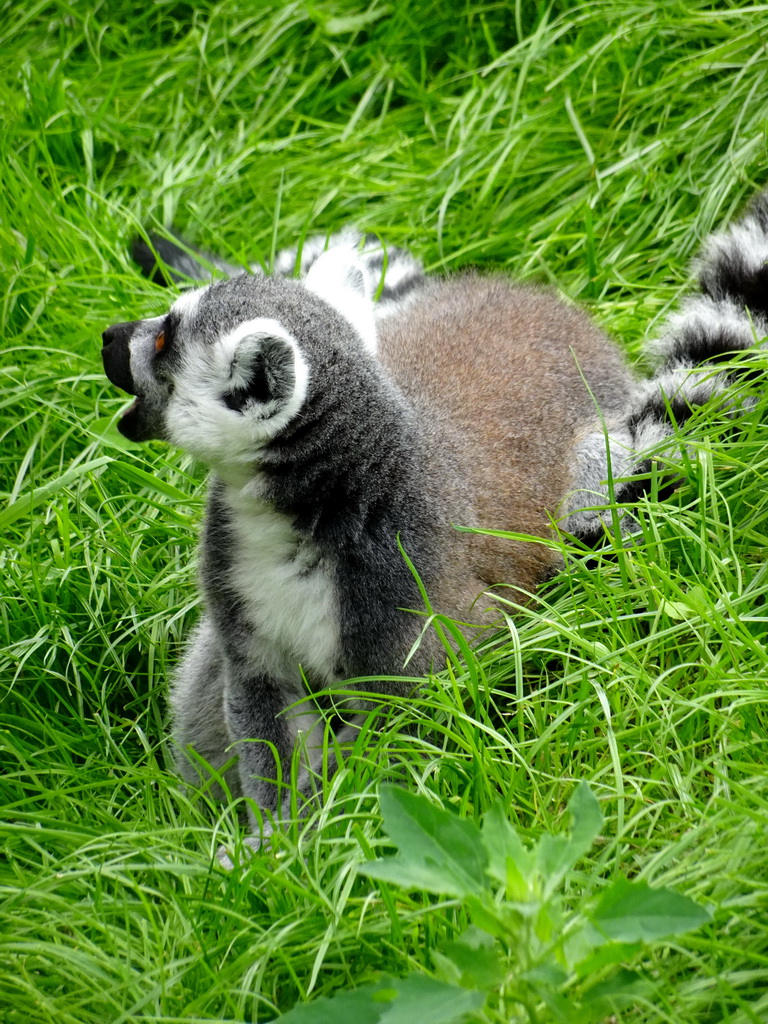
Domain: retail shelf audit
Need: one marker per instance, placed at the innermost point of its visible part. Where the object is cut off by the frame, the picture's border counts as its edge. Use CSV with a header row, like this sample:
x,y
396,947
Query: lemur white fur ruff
x,y
337,427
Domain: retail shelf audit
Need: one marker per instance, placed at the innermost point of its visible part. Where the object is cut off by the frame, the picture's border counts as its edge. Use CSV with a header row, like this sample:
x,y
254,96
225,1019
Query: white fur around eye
x,y
337,277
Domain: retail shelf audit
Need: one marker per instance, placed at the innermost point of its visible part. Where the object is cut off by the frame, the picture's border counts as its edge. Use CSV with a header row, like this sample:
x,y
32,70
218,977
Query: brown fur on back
x,y
499,372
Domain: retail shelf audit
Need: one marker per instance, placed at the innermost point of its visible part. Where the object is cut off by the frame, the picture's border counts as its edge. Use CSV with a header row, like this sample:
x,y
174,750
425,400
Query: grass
x,y
587,146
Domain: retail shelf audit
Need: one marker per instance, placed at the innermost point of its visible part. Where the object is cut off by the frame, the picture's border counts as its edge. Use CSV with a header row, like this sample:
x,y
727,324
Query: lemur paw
x,y
243,852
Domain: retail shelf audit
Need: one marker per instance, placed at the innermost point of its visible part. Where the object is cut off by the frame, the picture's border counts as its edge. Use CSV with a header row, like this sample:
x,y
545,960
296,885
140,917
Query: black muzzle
x,y
116,355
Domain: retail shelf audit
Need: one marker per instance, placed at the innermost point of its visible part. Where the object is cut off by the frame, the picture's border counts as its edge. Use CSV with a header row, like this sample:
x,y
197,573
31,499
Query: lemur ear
x,y
262,374
338,278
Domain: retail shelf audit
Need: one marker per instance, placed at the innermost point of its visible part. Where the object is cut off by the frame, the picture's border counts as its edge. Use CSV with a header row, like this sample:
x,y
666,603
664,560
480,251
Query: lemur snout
x,y
116,355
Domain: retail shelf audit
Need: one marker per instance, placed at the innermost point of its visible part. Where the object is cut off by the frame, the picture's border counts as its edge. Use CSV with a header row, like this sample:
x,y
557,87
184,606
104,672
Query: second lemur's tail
x,y
392,273
167,261
732,311
692,359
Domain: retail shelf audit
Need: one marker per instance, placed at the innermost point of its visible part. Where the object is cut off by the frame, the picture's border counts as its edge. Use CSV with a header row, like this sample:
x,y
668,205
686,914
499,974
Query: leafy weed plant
x,y
524,947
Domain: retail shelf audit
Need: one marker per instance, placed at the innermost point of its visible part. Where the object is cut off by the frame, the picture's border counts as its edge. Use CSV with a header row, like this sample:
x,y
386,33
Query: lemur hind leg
x,y
197,705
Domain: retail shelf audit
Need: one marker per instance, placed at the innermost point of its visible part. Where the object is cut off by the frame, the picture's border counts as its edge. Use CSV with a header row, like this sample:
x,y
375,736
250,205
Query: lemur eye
x,y
160,342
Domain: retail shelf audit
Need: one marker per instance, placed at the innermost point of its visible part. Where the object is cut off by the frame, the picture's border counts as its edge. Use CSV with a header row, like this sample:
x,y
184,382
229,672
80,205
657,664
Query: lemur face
x,y
230,365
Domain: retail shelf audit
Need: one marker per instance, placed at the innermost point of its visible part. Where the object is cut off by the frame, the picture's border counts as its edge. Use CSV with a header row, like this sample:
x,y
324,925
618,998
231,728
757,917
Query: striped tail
x,y
392,273
731,314
693,358
166,261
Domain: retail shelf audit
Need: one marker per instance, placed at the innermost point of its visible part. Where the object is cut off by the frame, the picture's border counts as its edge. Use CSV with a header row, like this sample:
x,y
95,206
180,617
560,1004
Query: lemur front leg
x,y
197,708
266,731
222,711
255,710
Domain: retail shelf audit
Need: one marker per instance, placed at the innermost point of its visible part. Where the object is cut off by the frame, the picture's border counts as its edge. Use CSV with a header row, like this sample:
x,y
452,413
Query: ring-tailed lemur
x,y
342,432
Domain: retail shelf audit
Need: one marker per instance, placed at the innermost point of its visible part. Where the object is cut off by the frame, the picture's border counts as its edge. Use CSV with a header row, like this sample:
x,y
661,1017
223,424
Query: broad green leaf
x,y
363,1005
438,851
676,610
508,860
556,855
427,1001
587,818
485,915
472,961
551,974
417,999
634,912
620,989
607,953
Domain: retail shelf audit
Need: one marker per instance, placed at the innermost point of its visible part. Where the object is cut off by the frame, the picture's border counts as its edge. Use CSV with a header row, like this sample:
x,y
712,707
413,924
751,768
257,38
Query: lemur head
x,y
232,364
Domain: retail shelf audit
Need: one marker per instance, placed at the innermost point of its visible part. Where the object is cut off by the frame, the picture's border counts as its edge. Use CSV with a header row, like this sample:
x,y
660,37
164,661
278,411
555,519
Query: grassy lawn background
x,y
590,147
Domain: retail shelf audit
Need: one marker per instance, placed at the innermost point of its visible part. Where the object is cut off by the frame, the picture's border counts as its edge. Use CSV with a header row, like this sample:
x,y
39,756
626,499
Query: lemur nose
x,y
119,332
116,355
